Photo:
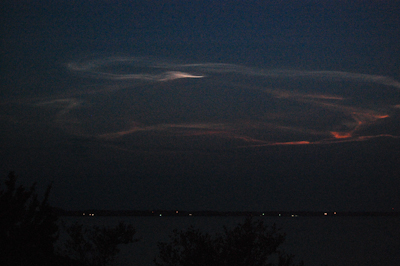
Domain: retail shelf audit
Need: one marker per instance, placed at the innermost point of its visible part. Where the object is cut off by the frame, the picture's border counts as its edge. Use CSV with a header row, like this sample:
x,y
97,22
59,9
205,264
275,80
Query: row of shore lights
x,y
92,214
325,213
293,215
175,212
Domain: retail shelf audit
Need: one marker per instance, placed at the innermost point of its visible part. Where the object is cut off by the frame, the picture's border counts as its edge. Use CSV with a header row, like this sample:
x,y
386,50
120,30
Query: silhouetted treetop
x,y
249,244
28,228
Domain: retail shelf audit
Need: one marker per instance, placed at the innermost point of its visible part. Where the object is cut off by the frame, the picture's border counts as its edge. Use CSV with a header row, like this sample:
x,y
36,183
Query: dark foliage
x,y
97,245
28,228
29,231
248,244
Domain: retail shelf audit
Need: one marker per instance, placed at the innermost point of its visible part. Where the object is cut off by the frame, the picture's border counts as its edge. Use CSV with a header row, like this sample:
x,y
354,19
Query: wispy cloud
x,y
295,116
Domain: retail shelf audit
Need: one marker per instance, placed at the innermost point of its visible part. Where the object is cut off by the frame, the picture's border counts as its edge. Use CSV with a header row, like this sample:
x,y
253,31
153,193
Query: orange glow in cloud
x,y
341,135
292,143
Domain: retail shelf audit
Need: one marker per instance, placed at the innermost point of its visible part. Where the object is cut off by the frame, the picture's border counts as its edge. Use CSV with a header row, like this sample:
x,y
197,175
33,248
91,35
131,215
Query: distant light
x,y
325,213
263,214
334,212
160,214
190,214
279,214
176,211
84,214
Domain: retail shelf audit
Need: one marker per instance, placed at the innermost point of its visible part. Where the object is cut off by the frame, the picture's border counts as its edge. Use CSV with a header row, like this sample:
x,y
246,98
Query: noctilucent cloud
x,y
142,103
217,105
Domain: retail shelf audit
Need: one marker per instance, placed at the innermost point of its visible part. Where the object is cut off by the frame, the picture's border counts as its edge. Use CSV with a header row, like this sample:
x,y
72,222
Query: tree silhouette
x,y
28,228
29,231
248,244
97,245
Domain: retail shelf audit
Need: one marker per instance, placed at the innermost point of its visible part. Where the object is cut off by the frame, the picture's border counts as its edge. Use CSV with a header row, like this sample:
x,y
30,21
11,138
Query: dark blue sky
x,y
220,105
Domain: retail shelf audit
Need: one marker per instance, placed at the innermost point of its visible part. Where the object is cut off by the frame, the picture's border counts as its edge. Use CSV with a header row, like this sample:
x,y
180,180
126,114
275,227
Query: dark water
x,y
315,240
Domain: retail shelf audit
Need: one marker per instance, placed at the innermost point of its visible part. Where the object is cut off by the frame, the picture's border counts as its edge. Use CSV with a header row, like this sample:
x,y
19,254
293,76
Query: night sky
x,y
203,105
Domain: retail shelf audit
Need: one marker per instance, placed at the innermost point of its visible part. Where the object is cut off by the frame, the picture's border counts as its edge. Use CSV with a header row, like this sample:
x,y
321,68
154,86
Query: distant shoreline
x,y
175,213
